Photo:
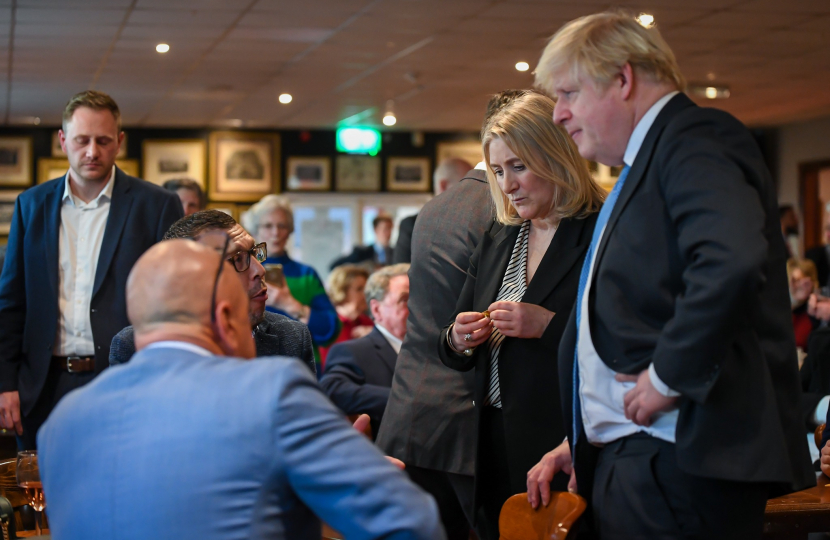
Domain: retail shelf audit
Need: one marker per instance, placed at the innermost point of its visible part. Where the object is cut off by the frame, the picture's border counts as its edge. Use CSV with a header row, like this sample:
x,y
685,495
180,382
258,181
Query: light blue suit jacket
x,y
177,445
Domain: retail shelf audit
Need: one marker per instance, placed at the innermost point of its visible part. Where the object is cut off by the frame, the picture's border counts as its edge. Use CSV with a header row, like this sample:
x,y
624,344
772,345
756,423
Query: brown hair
x,y
526,127
341,278
599,45
92,99
807,267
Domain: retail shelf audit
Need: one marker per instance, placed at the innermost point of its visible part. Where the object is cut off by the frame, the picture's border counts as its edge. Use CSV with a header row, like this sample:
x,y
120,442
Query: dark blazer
x,y
528,375
140,214
690,275
359,374
403,245
430,419
276,335
818,255
815,376
362,254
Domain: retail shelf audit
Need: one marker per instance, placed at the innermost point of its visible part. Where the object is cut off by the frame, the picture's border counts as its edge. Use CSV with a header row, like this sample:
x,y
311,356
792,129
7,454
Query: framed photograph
x,y
407,174
244,166
167,159
229,208
15,161
309,173
51,168
358,173
7,199
468,150
57,151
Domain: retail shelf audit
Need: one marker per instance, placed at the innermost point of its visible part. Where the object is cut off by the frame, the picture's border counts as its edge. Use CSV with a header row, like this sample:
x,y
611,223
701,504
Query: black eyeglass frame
x,y
250,254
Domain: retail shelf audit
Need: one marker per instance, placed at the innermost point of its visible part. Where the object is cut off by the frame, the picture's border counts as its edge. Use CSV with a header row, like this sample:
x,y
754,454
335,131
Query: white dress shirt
x,y
183,345
79,244
603,414
394,342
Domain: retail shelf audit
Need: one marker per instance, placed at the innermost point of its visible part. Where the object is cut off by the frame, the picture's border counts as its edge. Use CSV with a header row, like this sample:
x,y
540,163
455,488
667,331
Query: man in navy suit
x,y
359,372
72,243
194,438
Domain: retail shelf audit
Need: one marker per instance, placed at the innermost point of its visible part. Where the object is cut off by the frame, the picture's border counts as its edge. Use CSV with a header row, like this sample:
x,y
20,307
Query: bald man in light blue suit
x,y
186,441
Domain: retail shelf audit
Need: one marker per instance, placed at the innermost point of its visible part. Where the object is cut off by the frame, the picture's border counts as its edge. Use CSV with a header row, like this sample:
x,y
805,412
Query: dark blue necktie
x,y
602,220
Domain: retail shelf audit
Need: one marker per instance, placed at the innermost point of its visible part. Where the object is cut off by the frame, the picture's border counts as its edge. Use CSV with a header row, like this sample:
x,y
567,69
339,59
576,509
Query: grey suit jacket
x,y
276,335
429,420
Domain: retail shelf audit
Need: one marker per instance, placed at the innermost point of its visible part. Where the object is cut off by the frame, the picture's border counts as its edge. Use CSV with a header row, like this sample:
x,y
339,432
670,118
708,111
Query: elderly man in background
x,y
430,418
677,368
359,372
447,173
72,243
274,334
164,447
189,192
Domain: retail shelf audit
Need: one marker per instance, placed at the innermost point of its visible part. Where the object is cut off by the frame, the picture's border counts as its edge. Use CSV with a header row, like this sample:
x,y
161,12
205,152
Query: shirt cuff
x,y
821,410
662,387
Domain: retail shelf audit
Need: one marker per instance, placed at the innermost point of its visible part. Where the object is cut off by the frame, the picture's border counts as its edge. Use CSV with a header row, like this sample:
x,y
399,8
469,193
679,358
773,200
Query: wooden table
x,y
793,516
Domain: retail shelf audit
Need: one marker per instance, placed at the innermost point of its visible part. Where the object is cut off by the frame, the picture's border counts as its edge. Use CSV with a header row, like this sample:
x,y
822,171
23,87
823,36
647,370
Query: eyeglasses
x,y
241,260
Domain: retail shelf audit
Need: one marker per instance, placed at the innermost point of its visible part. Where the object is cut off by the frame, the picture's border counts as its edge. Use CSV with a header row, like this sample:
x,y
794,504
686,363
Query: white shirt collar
x,y
642,127
394,342
105,195
183,345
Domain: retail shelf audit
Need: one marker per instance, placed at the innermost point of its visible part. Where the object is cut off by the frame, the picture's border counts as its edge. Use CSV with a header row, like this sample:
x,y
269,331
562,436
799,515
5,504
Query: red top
x,y
345,334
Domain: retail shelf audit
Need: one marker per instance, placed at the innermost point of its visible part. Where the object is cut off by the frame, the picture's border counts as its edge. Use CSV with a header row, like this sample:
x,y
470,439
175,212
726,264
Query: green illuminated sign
x,y
353,140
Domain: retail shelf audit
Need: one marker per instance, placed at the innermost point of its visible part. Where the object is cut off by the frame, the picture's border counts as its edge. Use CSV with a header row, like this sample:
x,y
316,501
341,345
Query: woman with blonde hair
x,y
520,289
346,287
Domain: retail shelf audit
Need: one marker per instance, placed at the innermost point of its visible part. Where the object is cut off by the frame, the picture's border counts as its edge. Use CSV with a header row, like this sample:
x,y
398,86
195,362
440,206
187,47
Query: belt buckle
x,y
69,360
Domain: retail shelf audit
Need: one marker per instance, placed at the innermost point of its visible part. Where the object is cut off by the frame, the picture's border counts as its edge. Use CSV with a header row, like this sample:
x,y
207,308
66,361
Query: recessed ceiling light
x,y
522,66
285,98
646,20
162,48
389,119
709,91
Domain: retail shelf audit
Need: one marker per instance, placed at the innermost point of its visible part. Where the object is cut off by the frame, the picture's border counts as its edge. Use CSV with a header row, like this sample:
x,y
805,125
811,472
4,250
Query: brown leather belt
x,y
74,364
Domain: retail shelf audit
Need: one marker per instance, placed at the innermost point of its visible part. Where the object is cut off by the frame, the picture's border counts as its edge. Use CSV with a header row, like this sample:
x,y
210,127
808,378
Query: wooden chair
x,y
519,521
817,435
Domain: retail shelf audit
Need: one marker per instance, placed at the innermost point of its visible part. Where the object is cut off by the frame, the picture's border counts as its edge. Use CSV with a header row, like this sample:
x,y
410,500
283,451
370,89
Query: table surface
x,y
799,513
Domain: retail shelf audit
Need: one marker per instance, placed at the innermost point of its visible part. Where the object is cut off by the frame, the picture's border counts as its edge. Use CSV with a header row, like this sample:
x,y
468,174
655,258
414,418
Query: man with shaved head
x,y
164,446
274,334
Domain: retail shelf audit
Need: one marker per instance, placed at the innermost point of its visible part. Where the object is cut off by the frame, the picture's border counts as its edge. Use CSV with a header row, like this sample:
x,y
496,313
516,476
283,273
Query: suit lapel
x,y
491,268
568,245
384,350
641,163
52,229
120,205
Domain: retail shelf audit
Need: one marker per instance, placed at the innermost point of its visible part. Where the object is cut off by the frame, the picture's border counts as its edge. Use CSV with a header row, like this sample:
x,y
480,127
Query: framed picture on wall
x,y
51,168
57,151
15,161
168,159
407,174
309,173
468,150
229,208
244,166
7,199
357,173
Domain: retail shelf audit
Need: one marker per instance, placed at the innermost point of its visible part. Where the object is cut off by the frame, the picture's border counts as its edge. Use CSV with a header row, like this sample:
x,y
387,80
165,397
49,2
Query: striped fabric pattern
x,y
513,288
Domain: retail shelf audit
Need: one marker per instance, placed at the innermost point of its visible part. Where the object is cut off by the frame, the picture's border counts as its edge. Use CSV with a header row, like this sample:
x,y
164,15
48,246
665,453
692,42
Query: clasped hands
x,y
512,319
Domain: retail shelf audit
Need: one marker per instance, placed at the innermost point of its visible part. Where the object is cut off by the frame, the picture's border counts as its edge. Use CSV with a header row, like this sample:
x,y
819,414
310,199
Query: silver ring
x,y
468,337
468,352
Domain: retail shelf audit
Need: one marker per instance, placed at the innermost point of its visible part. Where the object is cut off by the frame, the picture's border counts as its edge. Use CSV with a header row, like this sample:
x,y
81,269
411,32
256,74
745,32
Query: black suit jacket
x,y
359,374
690,276
528,374
403,246
818,255
140,214
363,254
276,335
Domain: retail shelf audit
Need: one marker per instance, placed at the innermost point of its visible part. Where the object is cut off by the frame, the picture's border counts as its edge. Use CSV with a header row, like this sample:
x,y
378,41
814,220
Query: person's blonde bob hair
x,y
341,278
526,127
599,45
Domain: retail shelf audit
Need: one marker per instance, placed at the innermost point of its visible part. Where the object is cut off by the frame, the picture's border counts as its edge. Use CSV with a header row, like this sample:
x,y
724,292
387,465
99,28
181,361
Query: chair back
x,y
519,521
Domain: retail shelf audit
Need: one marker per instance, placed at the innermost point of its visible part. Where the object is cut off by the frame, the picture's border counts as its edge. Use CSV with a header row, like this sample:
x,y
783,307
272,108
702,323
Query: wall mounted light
x,y
162,48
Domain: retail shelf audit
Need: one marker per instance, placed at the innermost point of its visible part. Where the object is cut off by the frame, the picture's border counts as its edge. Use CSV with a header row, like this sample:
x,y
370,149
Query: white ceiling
x,y
439,60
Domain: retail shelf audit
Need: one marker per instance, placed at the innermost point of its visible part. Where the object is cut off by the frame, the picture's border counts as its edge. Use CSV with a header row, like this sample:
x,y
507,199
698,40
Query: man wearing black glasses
x,y
274,334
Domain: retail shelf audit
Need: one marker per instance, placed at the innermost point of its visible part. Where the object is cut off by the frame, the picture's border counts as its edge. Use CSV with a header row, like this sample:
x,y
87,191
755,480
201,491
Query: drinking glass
x,y
28,478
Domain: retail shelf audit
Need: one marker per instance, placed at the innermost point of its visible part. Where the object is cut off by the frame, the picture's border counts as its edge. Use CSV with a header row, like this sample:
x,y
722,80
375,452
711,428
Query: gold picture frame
x,y
15,161
167,159
244,165
408,174
7,201
308,173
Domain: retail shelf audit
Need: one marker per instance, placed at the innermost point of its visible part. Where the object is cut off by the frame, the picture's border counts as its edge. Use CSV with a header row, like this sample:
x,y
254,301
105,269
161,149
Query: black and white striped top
x,y
513,288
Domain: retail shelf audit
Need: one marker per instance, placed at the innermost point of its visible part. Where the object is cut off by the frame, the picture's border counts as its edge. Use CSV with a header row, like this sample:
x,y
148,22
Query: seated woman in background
x,y
520,289
803,282
346,286
300,295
